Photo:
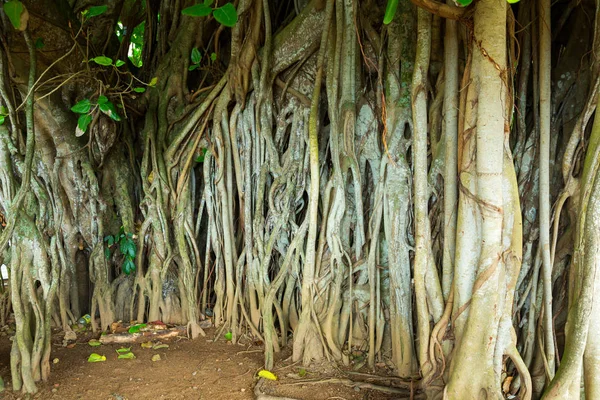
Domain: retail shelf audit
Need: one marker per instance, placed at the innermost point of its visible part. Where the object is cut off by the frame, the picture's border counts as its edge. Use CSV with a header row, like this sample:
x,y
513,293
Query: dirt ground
x,y
199,369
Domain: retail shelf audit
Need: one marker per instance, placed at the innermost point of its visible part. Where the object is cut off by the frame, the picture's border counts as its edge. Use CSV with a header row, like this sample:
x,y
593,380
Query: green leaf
x,y
132,250
199,10
512,1
126,356
202,155
153,82
82,107
128,248
96,358
3,110
139,89
123,247
390,11
82,124
208,3
102,60
2,117
136,328
109,240
464,3
119,63
107,253
95,11
39,43
13,10
102,100
160,346
213,56
94,343
193,67
109,109
228,336
226,15
128,266
123,350
137,36
195,56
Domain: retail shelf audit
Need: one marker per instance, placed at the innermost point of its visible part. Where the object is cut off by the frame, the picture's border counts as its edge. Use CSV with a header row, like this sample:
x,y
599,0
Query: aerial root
x,y
343,381
437,336
260,396
354,384
515,357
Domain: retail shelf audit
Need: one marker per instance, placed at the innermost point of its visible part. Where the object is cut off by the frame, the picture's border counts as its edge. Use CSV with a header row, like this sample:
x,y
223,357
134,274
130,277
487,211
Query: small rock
x,y
54,390
195,388
194,373
356,389
242,390
218,369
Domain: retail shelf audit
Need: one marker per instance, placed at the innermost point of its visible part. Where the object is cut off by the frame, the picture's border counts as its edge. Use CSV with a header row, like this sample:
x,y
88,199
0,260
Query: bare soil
x,y
199,369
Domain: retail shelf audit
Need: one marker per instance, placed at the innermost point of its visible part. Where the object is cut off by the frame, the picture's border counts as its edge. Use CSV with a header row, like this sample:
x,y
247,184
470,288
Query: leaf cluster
x,y
125,243
87,109
226,15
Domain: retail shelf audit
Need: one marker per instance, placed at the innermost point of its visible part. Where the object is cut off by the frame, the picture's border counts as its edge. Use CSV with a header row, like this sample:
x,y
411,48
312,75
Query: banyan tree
x,y
416,179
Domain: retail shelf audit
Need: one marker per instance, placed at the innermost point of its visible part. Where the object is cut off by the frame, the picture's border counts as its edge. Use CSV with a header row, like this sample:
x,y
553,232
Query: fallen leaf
x,y
161,346
126,356
55,361
156,357
147,345
136,328
263,373
96,358
114,326
94,343
124,350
